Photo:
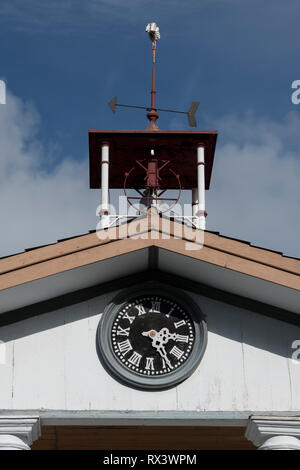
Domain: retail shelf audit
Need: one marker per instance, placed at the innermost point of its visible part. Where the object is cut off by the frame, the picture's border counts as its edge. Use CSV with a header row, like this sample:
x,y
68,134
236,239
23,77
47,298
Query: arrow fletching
x,y
191,113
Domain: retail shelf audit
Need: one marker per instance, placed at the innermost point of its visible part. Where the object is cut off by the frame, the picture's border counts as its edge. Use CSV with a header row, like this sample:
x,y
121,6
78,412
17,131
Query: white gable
x,y
52,364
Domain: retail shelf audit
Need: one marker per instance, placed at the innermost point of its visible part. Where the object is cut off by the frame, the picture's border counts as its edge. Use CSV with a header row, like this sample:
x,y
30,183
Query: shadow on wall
x,y
224,320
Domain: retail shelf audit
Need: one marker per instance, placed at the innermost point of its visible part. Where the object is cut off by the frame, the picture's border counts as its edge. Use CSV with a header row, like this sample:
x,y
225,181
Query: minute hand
x,y
161,350
158,342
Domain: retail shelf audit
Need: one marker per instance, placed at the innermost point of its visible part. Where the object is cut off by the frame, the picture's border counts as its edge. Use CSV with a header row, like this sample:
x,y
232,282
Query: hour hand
x,y
165,335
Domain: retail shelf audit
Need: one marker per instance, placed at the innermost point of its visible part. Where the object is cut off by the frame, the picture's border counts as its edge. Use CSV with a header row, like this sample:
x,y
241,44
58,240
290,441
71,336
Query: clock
x,y
152,337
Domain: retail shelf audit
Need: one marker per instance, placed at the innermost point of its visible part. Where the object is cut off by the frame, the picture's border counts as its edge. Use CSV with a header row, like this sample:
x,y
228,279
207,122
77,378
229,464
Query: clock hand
x,y
157,342
164,335
150,334
161,350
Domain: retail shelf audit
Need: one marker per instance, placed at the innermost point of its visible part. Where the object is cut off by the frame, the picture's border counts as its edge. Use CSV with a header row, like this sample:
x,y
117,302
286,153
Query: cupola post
x,y
104,212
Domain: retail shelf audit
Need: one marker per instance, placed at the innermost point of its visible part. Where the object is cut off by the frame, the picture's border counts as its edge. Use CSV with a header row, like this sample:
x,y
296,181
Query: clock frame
x,y
163,346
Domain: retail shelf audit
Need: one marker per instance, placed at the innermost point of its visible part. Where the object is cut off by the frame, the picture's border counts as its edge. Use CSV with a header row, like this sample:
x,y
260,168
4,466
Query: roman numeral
x,y
128,317
155,306
149,363
135,358
124,346
123,331
179,323
141,309
182,338
176,352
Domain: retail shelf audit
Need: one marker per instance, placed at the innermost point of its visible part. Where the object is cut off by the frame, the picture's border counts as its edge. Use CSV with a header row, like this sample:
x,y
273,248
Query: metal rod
x,y
172,111
148,109
130,106
153,198
153,76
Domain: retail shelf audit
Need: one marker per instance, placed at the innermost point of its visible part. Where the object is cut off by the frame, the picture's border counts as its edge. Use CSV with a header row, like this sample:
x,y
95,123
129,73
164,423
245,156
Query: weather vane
x,y
153,31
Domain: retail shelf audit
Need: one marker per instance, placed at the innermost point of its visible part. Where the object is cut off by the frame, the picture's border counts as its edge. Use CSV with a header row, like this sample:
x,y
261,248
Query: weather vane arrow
x,y
153,31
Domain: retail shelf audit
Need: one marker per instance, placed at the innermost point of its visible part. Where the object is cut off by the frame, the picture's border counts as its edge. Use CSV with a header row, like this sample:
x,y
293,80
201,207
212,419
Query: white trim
x,y
141,418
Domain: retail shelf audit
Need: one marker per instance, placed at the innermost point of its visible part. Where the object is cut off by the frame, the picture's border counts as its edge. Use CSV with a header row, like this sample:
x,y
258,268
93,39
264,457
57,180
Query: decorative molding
x,y
19,431
261,428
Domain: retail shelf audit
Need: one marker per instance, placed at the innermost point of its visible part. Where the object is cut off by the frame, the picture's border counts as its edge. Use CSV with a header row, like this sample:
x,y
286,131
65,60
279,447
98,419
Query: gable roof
x,y
150,242
150,230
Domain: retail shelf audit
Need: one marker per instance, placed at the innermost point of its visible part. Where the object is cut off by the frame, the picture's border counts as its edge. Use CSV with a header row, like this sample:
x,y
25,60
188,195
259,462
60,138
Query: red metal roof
x,y
180,147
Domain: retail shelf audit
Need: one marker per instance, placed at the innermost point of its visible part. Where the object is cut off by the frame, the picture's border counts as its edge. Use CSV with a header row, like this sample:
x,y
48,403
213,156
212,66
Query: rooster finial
x,y
153,30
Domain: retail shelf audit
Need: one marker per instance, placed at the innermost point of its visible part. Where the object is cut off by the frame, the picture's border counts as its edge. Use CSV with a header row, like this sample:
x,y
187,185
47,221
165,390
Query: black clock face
x,y
152,335
151,338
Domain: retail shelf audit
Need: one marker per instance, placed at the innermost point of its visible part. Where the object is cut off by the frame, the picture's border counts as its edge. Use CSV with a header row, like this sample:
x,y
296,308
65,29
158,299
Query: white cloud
x,y
254,191
255,188
38,206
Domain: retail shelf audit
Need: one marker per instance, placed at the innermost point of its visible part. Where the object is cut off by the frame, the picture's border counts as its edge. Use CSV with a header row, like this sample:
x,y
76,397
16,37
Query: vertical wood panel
x,y
6,368
56,366
266,364
39,363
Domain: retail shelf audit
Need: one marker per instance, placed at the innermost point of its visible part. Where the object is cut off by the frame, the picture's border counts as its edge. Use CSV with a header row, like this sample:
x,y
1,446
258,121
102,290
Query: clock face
x,y
152,335
152,338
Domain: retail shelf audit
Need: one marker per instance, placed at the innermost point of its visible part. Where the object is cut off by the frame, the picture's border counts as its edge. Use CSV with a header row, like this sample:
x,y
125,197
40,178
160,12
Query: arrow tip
x,y
112,104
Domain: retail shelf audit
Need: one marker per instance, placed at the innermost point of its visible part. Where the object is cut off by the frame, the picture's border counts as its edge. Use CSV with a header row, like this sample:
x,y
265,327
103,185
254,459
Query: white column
x,y
104,213
11,442
195,203
198,194
274,432
281,443
18,432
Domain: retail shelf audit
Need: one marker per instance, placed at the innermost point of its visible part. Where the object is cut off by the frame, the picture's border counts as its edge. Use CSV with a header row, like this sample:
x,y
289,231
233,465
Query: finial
x,y
153,31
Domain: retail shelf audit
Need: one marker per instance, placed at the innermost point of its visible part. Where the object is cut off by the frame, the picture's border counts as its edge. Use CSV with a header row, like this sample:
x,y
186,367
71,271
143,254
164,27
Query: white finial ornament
x,y
153,30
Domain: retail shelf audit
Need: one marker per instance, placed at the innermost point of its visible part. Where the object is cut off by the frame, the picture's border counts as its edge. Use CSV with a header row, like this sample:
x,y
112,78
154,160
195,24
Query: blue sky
x,y
64,60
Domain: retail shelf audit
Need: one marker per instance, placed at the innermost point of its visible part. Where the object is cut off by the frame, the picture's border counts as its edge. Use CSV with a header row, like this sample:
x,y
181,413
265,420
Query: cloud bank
x,y
38,206
255,190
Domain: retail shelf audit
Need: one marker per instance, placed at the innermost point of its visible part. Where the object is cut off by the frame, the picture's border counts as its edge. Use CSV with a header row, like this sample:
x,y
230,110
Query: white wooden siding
x,y
52,363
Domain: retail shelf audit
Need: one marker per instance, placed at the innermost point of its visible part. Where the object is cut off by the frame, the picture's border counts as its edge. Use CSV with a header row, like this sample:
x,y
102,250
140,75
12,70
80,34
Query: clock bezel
x,y
130,377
